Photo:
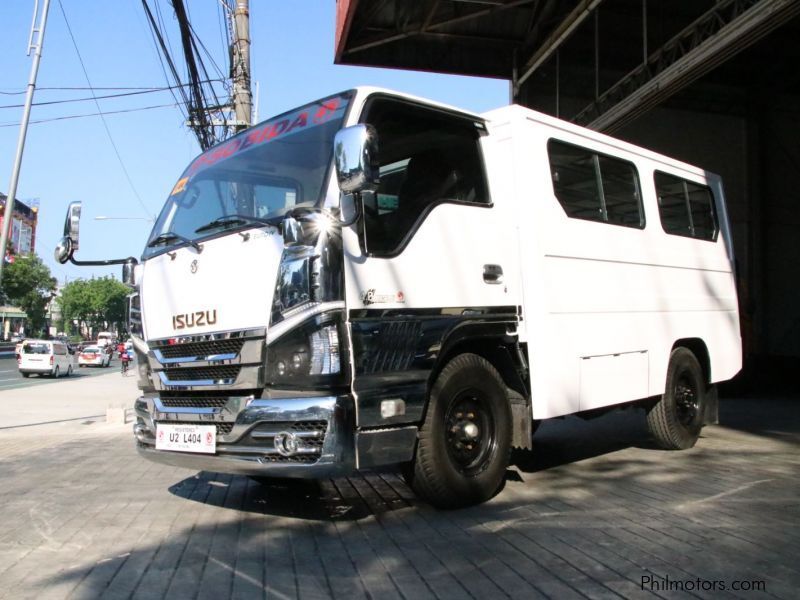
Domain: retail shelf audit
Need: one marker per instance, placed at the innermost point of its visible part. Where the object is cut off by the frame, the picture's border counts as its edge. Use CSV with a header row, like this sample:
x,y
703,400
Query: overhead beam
x,y
650,84
555,39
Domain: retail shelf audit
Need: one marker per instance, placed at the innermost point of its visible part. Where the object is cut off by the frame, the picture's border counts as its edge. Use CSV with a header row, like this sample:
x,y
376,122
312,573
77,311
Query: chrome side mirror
x,y
129,273
292,232
355,152
68,244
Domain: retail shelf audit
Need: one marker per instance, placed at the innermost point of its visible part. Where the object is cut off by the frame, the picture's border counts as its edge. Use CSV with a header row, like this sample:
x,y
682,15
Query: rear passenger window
x,y
595,187
686,208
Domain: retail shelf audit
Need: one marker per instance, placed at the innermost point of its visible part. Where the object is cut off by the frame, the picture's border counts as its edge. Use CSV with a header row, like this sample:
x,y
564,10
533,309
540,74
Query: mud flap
x,y
711,416
521,436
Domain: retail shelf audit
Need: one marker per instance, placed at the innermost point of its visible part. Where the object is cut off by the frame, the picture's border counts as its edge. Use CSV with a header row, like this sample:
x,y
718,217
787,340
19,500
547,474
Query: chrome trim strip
x,y
258,332
278,329
210,357
162,375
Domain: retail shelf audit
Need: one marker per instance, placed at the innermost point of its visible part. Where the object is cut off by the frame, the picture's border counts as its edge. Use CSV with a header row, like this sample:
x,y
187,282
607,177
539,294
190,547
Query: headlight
x,y
310,354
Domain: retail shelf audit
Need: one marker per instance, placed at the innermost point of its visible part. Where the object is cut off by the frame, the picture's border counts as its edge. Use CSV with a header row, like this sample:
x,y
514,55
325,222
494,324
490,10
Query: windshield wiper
x,y
171,236
236,220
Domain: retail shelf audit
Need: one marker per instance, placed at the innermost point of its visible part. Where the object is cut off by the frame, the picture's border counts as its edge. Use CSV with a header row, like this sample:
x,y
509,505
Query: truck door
x,y
429,255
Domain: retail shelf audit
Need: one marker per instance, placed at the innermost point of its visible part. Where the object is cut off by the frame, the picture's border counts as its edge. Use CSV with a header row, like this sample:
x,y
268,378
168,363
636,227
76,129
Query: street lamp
x,y
105,218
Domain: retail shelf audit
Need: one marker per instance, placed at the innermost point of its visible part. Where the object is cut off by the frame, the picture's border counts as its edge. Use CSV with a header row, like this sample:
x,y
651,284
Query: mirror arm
x,y
357,201
103,263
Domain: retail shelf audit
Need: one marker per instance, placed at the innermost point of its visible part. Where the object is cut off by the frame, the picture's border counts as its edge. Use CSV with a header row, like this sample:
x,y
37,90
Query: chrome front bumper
x,y
247,429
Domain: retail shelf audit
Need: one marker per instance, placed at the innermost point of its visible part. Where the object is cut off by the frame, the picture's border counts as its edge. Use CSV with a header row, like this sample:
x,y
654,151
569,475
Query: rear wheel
x,y
69,370
465,441
56,372
676,419
26,375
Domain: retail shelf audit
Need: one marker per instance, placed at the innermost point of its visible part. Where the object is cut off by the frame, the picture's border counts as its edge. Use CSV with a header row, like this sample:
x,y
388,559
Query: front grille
x,y
195,402
202,349
222,428
203,373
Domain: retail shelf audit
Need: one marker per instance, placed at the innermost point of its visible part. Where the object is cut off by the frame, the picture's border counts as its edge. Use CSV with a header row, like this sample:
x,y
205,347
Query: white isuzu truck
x,y
375,279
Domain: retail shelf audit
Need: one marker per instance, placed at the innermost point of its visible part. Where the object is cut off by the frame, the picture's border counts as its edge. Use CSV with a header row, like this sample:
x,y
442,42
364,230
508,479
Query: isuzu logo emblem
x,y
193,267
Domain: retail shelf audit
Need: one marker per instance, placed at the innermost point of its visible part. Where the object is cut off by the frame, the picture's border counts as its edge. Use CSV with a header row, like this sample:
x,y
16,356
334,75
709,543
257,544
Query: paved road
x,y
10,377
593,512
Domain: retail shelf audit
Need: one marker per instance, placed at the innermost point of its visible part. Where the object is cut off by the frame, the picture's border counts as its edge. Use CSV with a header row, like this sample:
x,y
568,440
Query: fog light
x,y
286,443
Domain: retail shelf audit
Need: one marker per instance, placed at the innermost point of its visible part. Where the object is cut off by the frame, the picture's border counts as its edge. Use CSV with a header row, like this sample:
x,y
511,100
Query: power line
x,y
104,89
91,98
95,114
99,110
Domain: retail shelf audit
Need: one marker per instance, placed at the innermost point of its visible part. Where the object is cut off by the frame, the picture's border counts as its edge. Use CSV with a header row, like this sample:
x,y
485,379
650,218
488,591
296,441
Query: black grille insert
x,y
203,373
195,402
202,349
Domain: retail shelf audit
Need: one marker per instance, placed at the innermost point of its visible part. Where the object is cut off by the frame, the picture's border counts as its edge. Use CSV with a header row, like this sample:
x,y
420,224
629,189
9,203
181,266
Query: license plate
x,y
186,438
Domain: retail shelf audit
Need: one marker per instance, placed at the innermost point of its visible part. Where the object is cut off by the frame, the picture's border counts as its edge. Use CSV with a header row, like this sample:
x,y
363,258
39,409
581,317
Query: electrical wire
x,y
90,98
102,117
95,114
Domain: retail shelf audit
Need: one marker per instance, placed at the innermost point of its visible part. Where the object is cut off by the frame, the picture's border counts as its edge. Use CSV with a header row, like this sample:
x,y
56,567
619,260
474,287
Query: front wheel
x,y
465,440
676,419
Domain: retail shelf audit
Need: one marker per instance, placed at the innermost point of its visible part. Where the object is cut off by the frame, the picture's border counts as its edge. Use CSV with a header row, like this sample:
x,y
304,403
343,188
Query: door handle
x,y
493,274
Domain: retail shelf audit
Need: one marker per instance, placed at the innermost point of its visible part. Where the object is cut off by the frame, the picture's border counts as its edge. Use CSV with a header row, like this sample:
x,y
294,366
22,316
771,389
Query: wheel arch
x,y
493,342
700,350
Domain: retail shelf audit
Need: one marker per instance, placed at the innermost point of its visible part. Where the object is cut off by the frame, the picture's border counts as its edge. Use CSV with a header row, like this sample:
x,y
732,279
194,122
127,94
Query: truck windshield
x,y
253,178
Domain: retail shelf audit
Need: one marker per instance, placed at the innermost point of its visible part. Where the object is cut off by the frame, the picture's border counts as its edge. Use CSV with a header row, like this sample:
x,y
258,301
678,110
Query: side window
x,y
427,157
686,208
595,187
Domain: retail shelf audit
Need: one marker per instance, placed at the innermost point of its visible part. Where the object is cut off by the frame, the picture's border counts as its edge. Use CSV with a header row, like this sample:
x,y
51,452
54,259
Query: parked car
x,y
44,357
94,356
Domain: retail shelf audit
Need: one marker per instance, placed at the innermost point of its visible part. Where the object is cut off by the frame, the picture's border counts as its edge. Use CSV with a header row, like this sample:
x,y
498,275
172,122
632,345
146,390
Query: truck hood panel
x,y
226,287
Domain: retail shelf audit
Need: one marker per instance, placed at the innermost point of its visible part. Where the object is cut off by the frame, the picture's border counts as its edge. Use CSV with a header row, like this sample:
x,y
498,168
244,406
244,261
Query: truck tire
x,y
676,419
465,440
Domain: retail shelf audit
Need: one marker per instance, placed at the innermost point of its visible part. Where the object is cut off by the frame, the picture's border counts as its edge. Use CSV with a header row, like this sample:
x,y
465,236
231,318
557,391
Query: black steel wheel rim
x,y
686,399
470,435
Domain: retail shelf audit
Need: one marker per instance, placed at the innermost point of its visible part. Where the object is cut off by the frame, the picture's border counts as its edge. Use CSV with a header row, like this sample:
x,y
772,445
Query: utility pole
x,y
240,69
36,46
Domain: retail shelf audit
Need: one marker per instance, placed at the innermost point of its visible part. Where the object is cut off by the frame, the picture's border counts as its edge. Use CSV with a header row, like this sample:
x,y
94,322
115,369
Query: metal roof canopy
x,y
621,56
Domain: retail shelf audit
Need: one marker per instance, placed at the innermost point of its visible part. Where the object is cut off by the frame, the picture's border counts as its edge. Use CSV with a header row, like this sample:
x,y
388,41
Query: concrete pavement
x,y
66,400
593,512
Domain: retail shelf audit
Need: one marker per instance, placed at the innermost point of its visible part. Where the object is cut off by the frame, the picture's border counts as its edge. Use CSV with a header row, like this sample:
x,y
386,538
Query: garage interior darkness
x,y
714,83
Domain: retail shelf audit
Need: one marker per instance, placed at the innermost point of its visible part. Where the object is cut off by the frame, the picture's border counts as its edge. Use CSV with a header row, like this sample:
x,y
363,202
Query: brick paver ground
x,y
588,514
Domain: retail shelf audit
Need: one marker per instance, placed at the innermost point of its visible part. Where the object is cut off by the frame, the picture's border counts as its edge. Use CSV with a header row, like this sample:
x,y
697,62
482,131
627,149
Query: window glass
x,y
35,348
427,157
262,173
685,208
575,182
595,187
701,203
621,192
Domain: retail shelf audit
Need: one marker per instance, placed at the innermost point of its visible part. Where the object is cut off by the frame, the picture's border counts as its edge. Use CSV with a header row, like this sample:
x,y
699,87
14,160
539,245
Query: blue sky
x,y
72,159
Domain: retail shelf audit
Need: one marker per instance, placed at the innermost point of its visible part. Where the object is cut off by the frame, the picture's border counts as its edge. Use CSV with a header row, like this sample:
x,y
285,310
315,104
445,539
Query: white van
x,y
468,277
44,357
104,338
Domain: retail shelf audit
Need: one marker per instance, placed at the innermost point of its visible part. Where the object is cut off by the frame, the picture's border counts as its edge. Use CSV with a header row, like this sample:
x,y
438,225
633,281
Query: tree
x,y
95,303
28,284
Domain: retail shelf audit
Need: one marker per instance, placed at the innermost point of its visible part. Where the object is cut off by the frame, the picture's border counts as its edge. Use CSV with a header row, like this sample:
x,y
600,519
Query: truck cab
x,y
352,284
